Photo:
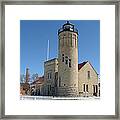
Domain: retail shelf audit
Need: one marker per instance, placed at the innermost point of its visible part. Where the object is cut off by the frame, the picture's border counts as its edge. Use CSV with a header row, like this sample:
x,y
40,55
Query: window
x,y
88,74
56,75
49,75
64,84
84,87
71,41
93,88
48,90
87,88
66,60
69,62
99,92
50,87
96,89
59,81
99,84
62,57
56,79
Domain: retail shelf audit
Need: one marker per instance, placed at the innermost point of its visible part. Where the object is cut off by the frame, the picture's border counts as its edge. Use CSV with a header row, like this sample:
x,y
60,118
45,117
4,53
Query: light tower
x,y
68,61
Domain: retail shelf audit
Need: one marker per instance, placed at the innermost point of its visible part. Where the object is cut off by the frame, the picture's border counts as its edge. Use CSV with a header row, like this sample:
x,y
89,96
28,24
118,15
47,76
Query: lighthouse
x,y
67,61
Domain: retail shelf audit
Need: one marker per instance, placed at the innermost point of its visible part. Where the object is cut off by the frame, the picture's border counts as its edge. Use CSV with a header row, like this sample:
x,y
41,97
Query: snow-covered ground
x,y
55,98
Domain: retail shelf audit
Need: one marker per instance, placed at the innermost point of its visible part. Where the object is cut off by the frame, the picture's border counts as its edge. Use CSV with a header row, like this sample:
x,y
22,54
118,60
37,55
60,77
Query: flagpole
x,y
48,50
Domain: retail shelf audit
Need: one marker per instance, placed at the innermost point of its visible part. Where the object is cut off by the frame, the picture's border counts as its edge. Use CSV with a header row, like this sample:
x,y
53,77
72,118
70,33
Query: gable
x,y
86,64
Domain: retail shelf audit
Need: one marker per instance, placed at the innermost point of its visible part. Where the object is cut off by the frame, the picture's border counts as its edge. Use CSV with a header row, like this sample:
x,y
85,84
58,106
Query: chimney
x,y
27,75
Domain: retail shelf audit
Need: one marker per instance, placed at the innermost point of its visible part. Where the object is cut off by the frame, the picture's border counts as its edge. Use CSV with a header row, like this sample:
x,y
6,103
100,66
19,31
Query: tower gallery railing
x,y
72,30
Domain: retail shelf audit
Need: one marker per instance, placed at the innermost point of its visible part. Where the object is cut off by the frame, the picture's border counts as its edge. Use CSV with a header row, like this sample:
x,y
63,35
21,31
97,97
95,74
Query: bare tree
x,y
22,78
34,76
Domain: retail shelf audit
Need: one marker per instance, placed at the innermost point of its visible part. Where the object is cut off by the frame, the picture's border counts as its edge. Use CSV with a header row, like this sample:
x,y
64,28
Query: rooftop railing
x,y
72,30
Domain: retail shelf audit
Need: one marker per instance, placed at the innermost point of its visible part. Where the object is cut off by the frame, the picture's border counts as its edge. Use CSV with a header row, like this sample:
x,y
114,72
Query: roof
x,y
68,23
81,65
39,80
51,60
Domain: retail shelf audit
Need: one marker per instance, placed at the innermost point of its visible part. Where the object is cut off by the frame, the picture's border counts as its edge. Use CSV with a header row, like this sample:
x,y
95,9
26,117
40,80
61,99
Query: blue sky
x,y
34,36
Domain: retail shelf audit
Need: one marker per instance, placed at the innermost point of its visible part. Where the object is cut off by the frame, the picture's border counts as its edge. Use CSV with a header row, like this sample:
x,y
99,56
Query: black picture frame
x,y
2,56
